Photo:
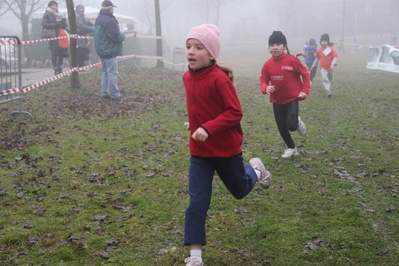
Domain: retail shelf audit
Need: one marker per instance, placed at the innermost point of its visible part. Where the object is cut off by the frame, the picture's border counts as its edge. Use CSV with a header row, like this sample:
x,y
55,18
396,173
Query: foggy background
x,y
252,21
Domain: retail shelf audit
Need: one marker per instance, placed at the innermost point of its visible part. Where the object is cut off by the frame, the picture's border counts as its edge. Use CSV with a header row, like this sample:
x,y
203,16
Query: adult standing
x,y
51,23
83,29
108,43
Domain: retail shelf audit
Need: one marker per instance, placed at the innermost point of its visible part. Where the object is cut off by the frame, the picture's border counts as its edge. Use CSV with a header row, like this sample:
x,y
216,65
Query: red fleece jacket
x,y
212,103
284,73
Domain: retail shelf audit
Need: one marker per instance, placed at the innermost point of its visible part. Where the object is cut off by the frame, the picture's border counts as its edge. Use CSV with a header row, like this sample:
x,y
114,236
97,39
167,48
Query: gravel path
x,y
33,75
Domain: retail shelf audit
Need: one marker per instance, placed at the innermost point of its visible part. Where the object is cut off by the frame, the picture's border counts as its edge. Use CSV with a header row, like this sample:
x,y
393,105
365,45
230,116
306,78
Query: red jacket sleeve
x,y
304,72
264,79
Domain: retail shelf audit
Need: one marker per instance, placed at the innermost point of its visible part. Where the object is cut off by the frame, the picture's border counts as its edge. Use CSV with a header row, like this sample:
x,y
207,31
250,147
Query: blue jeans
x,y
239,178
109,78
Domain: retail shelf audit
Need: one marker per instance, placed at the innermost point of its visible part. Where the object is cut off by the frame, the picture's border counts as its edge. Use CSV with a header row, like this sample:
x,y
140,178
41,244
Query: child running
x,y
214,115
310,56
328,57
281,79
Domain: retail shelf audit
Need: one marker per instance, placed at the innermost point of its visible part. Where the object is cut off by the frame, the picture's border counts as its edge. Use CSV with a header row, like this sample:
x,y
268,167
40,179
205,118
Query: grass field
x,y
88,181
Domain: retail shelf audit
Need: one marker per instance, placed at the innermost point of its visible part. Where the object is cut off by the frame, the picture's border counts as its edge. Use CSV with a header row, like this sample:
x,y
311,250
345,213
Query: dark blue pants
x,y
239,178
312,71
286,116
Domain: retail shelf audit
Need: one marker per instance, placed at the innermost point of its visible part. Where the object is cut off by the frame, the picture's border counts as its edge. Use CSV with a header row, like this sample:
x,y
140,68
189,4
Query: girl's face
x,y
54,7
197,55
276,49
324,43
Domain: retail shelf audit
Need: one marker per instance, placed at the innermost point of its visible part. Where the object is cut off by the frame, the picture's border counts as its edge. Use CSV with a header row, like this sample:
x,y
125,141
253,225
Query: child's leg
x,y
292,112
330,75
200,189
325,80
239,178
313,73
280,115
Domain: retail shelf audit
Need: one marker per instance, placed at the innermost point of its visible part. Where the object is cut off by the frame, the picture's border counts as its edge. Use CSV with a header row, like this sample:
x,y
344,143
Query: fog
x,y
254,20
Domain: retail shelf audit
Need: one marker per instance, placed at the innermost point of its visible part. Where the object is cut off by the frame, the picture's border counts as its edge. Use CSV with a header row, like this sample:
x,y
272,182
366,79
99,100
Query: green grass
x,y
87,181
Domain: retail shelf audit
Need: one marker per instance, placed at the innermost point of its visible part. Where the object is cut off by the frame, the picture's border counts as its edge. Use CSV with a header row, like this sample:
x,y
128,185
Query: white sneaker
x,y
288,153
301,127
265,178
192,261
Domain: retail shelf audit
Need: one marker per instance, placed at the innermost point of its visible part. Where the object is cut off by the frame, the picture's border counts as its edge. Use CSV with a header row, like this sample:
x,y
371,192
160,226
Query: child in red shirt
x,y
214,115
327,58
281,79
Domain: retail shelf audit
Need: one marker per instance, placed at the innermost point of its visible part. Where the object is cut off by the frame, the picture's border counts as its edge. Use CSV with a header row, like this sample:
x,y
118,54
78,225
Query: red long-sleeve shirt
x,y
284,73
212,103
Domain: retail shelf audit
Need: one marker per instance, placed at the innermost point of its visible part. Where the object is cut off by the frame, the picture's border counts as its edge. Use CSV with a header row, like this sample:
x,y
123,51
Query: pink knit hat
x,y
209,36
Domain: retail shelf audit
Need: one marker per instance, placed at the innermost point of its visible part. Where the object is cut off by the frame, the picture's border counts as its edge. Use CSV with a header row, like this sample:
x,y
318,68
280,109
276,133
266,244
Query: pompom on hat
x,y
209,36
52,3
277,37
325,37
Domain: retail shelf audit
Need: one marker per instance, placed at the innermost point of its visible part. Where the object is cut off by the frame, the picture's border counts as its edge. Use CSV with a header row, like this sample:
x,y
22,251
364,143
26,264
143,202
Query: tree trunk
x,y
25,37
158,33
75,81
343,28
218,6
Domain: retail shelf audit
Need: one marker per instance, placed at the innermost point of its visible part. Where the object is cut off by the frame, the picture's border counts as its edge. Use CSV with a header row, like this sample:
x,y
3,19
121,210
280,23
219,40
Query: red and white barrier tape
x,y
9,42
69,71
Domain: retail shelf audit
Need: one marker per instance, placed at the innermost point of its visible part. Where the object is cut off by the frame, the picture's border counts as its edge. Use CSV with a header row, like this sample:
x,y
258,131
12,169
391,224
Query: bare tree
x,y
288,8
343,27
217,4
23,10
212,7
87,2
145,12
75,81
3,8
158,32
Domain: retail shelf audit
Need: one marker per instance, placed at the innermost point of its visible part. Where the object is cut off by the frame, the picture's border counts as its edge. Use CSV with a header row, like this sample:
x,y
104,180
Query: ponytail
x,y
228,71
288,50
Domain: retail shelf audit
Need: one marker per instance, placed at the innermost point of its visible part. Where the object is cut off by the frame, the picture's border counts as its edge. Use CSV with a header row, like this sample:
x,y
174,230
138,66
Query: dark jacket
x,y
50,22
107,37
82,28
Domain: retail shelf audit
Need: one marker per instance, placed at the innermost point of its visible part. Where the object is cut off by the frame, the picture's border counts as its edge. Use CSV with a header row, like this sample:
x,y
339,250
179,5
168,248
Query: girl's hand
x,y
302,96
270,89
200,134
187,125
